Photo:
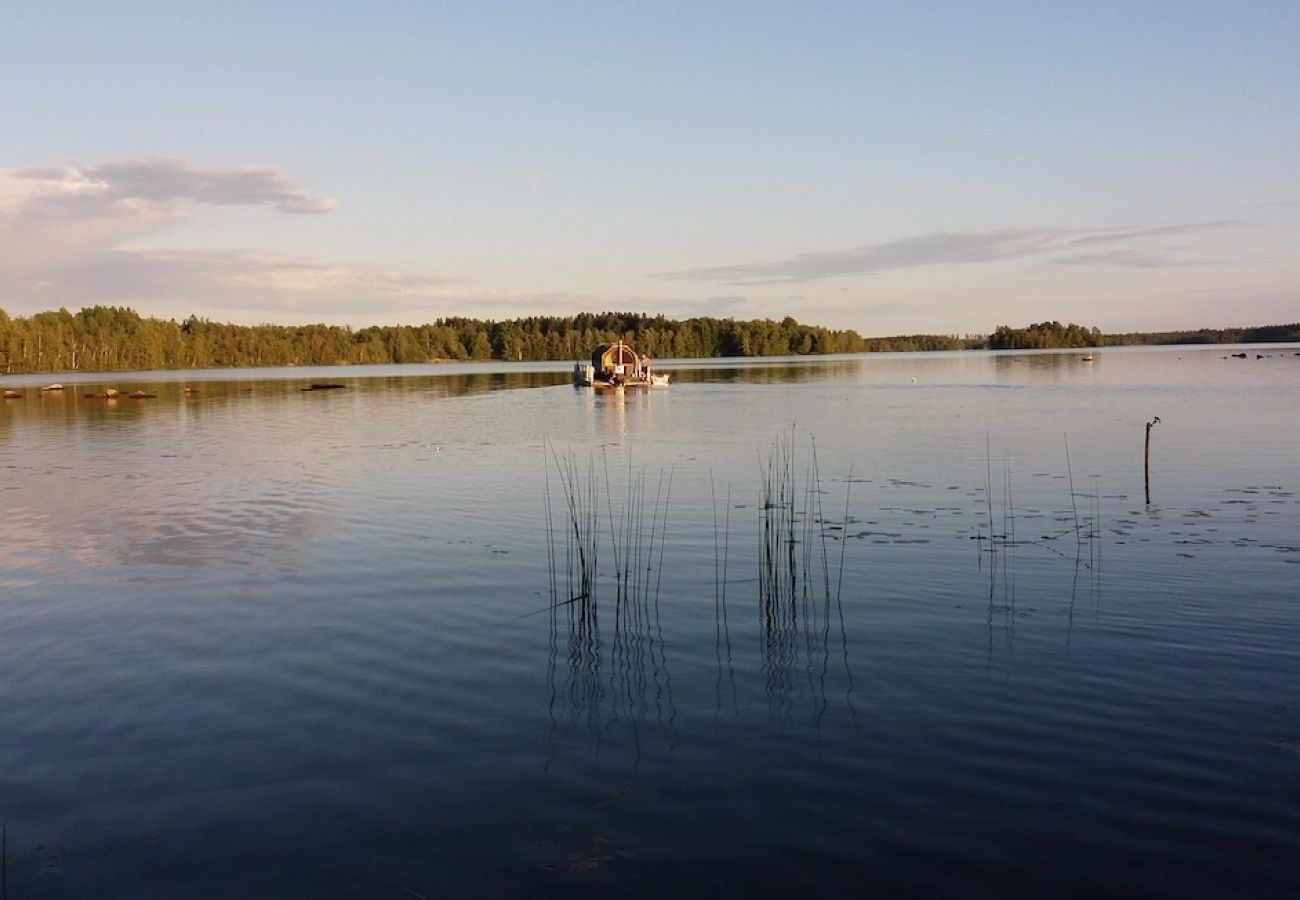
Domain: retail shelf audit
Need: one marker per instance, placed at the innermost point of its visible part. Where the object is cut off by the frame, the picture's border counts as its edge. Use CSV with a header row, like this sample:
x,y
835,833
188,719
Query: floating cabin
x,y
616,365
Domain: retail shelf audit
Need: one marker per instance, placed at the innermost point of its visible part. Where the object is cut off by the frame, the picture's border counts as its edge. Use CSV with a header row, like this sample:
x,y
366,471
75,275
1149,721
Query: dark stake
x,y
1146,459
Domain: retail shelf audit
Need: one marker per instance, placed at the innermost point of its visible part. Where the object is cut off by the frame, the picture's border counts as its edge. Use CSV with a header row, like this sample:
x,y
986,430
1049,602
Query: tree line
x,y
111,338
1045,335
1048,335
1261,334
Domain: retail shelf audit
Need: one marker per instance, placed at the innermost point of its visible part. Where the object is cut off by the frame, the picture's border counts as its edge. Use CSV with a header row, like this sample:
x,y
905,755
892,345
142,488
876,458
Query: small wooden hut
x,y
617,359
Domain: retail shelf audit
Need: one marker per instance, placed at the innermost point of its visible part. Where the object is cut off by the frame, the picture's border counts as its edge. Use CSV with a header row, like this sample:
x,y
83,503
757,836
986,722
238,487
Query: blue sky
x,y
889,167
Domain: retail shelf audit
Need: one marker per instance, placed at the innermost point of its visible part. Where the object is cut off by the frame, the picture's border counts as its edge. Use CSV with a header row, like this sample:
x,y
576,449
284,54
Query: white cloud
x,y
74,235
56,215
69,236
141,181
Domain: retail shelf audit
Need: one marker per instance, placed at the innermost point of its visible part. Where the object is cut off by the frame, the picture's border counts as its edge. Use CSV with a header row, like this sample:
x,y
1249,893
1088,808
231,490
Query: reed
x,y
1082,519
624,665
721,625
578,516
799,586
606,518
988,483
1074,505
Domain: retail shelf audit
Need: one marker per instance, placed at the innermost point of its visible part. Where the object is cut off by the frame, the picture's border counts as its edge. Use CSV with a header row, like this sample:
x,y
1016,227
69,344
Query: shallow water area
x,y
904,624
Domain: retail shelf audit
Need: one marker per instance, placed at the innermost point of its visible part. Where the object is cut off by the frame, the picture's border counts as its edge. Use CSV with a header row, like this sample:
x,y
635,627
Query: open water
x,y
896,625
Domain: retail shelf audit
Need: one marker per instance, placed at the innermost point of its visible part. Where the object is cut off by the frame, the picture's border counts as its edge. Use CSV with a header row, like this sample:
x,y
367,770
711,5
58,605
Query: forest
x,y
111,338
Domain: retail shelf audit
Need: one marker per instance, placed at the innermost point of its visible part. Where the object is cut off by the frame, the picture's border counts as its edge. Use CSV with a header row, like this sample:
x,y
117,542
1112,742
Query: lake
x,y
870,625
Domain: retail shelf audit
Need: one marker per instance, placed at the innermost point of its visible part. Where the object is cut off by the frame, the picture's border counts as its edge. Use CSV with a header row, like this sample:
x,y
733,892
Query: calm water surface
x,y
261,642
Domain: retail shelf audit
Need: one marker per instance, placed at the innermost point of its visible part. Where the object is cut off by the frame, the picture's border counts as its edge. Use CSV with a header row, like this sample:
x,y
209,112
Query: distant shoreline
x,y
116,339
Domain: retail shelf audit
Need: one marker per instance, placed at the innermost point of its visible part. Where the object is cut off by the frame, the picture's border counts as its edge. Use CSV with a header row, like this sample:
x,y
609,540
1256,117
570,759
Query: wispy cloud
x,y
262,286
1168,257
1137,232
921,250
938,248
251,284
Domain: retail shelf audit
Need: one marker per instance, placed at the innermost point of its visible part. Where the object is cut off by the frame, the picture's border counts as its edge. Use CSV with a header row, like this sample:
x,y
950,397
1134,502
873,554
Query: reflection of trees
x,y
818,370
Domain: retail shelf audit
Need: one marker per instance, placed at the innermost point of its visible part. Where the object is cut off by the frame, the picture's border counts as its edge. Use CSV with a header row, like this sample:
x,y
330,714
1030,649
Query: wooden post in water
x,y
1146,459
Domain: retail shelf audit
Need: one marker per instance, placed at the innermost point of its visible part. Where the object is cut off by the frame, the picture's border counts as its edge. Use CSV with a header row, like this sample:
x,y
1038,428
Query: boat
x,y
617,365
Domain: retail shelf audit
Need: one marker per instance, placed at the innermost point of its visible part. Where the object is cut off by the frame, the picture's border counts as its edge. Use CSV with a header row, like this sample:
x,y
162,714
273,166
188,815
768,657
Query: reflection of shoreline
x,y
191,387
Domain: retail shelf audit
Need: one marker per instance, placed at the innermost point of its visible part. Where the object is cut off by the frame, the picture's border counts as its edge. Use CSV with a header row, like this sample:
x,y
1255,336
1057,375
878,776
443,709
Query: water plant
x,y
587,512
795,577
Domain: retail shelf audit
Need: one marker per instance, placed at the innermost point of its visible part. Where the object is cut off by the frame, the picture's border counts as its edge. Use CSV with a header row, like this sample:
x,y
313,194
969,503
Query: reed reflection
x,y
1074,537
608,667
620,679
796,574
721,622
